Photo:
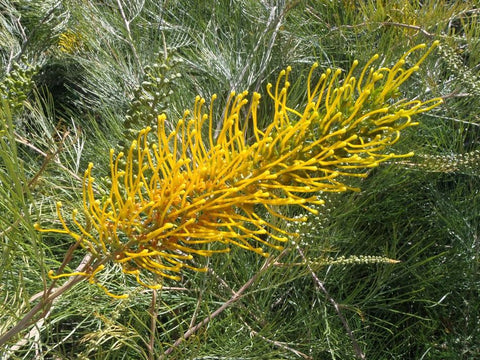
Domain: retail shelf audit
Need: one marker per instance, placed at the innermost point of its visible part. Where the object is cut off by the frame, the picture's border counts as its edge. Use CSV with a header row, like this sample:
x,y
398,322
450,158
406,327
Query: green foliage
x,y
423,211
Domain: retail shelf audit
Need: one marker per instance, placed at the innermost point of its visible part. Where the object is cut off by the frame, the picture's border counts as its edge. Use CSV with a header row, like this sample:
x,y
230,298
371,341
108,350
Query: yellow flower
x,y
191,192
70,42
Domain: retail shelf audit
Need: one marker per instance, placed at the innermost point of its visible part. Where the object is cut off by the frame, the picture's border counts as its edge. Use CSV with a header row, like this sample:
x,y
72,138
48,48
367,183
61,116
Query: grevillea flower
x,y
191,192
70,42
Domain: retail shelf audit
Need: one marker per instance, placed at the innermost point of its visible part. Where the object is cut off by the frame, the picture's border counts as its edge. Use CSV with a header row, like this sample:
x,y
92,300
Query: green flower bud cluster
x,y
17,84
150,99
467,80
358,259
468,163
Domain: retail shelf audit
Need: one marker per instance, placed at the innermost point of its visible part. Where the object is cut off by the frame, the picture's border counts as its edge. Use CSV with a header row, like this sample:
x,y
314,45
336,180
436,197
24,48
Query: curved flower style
x,y
188,193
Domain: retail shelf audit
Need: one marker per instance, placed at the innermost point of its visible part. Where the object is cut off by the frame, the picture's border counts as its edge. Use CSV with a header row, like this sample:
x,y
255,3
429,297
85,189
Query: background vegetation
x,y
79,77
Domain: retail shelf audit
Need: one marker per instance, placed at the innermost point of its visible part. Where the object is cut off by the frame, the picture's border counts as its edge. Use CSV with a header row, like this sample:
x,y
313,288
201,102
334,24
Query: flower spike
x,y
181,191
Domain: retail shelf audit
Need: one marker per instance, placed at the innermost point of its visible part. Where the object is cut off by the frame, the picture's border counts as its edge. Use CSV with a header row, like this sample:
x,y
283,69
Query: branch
x,y
236,296
386,23
356,347
129,34
279,344
47,300
48,156
153,323
408,26
28,39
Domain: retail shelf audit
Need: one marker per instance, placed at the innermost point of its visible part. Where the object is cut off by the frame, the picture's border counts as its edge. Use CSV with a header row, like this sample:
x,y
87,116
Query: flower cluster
x,y
466,163
70,42
193,192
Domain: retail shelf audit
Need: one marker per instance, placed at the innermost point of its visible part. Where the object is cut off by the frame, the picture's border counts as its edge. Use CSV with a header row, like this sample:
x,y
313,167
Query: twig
x,y
25,142
408,26
456,94
46,160
195,312
236,296
258,320
243,306
129,34
386,23
356,347
153,325
47,300
27,41
277,343
32,334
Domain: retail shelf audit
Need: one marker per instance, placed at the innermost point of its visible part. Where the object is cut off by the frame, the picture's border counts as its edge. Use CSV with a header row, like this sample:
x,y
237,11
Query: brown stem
x,y
236,296
153,324
356,347
46,301
51,157
276,343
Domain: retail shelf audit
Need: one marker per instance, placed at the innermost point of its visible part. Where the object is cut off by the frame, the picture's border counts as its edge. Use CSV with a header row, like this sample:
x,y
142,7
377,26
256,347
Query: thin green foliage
x,y
422,212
